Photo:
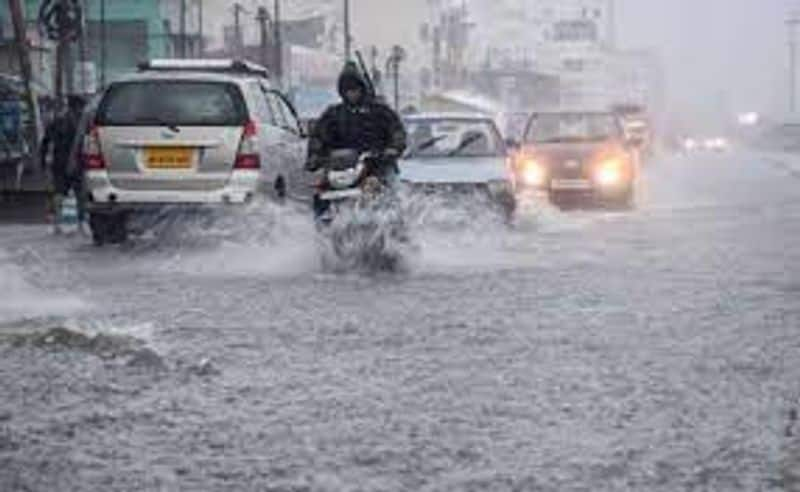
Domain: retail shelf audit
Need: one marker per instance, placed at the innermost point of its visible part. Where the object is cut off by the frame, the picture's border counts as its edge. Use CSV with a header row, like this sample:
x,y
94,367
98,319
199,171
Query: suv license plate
x,y
168,157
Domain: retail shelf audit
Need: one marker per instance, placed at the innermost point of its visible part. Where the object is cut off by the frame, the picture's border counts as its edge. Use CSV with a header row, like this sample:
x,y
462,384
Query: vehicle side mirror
x,y
512,144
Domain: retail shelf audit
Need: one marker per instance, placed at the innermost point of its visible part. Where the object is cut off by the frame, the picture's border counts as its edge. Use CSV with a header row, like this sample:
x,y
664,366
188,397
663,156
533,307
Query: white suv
x,y
188,133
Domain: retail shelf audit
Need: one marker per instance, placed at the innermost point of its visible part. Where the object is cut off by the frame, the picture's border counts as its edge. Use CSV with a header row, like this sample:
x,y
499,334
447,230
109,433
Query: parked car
x,y
188,133
577,156
458,154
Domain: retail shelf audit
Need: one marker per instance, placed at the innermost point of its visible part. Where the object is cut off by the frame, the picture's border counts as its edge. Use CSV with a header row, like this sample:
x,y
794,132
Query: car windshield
x,y
571,127
184,103
453,138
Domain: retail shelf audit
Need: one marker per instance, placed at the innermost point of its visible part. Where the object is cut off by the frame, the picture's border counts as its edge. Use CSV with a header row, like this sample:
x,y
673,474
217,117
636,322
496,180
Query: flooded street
x,y
655,349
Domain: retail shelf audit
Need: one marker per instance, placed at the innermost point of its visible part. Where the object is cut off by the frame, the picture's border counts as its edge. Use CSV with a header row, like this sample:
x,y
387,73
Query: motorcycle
x,y
359,215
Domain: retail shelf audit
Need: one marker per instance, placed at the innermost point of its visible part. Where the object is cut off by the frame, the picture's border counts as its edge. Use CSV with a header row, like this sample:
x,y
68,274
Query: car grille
x,y
569,169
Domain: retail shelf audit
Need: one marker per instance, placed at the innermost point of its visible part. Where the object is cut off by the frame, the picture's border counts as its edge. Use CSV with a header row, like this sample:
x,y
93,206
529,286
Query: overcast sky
x,y
716,53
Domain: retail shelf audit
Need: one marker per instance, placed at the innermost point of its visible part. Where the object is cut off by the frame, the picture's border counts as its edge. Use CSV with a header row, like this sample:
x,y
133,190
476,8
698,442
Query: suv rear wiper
x,y
158,121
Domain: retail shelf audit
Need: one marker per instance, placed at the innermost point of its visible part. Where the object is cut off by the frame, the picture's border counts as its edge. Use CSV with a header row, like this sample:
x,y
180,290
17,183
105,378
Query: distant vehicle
x,y
577,156
637,126
714,144
458,154
638,134
188,133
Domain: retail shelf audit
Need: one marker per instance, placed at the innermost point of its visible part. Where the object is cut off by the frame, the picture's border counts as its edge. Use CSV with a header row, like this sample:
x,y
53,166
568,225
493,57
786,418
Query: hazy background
x,y
720,56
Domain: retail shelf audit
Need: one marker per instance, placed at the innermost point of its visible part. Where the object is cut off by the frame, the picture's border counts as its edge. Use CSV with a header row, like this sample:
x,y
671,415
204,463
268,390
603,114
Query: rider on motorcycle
x,y
359,123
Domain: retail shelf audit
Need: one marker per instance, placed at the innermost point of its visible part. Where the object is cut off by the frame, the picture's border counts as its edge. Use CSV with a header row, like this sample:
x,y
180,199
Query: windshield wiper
x,y
588,138
464,144
158,121
427,144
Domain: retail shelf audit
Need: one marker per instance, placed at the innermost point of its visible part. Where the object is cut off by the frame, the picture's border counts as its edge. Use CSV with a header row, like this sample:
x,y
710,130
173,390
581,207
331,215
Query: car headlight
x,y
533,173
609,173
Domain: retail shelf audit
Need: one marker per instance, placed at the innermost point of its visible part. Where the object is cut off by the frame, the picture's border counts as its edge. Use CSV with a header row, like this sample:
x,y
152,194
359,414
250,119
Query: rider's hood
x,y
349,78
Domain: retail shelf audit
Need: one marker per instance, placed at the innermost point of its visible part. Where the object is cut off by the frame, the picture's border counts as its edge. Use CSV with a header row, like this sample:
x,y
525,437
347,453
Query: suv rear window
x,y
179,103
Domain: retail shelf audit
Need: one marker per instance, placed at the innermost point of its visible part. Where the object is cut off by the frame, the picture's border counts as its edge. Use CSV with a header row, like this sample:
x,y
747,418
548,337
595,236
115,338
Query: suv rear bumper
x,y
240,189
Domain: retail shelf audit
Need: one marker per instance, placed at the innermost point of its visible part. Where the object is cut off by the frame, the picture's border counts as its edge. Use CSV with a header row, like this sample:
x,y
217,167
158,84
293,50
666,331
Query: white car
x,y
458,154
188,133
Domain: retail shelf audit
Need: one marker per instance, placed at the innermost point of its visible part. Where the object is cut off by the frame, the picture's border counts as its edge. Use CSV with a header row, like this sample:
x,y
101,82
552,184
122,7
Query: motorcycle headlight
x,y
346,178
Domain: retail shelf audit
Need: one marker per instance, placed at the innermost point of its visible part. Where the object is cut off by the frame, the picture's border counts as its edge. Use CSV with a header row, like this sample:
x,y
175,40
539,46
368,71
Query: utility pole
x,y
347,38
82,49
200,30
278,44
182,42
103,43
61,51
237,29
393,65
376,73
263,20
792,22
23,52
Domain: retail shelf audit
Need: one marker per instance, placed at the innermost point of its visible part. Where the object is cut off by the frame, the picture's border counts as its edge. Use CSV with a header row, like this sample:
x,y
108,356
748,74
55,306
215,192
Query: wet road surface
x,y
656,349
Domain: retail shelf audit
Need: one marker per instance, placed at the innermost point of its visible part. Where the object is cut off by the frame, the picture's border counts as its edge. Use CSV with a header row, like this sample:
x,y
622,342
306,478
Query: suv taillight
x,y
248,156
92,152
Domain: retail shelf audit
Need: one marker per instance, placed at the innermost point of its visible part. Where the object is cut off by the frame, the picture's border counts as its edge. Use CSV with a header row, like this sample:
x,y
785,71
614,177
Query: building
x,y
567,40
640,81
42,56
117,36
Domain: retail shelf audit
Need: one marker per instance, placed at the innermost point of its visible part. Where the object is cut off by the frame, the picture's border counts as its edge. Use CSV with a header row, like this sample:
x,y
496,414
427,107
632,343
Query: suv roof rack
x,y
243,67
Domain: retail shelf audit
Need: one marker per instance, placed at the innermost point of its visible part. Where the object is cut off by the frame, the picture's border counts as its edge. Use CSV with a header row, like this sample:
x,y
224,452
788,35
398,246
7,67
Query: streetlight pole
x,y
103,41
347,37
182,44
237,25
792,22
393,65
62,53
201,49
278,44
263,20
26,70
